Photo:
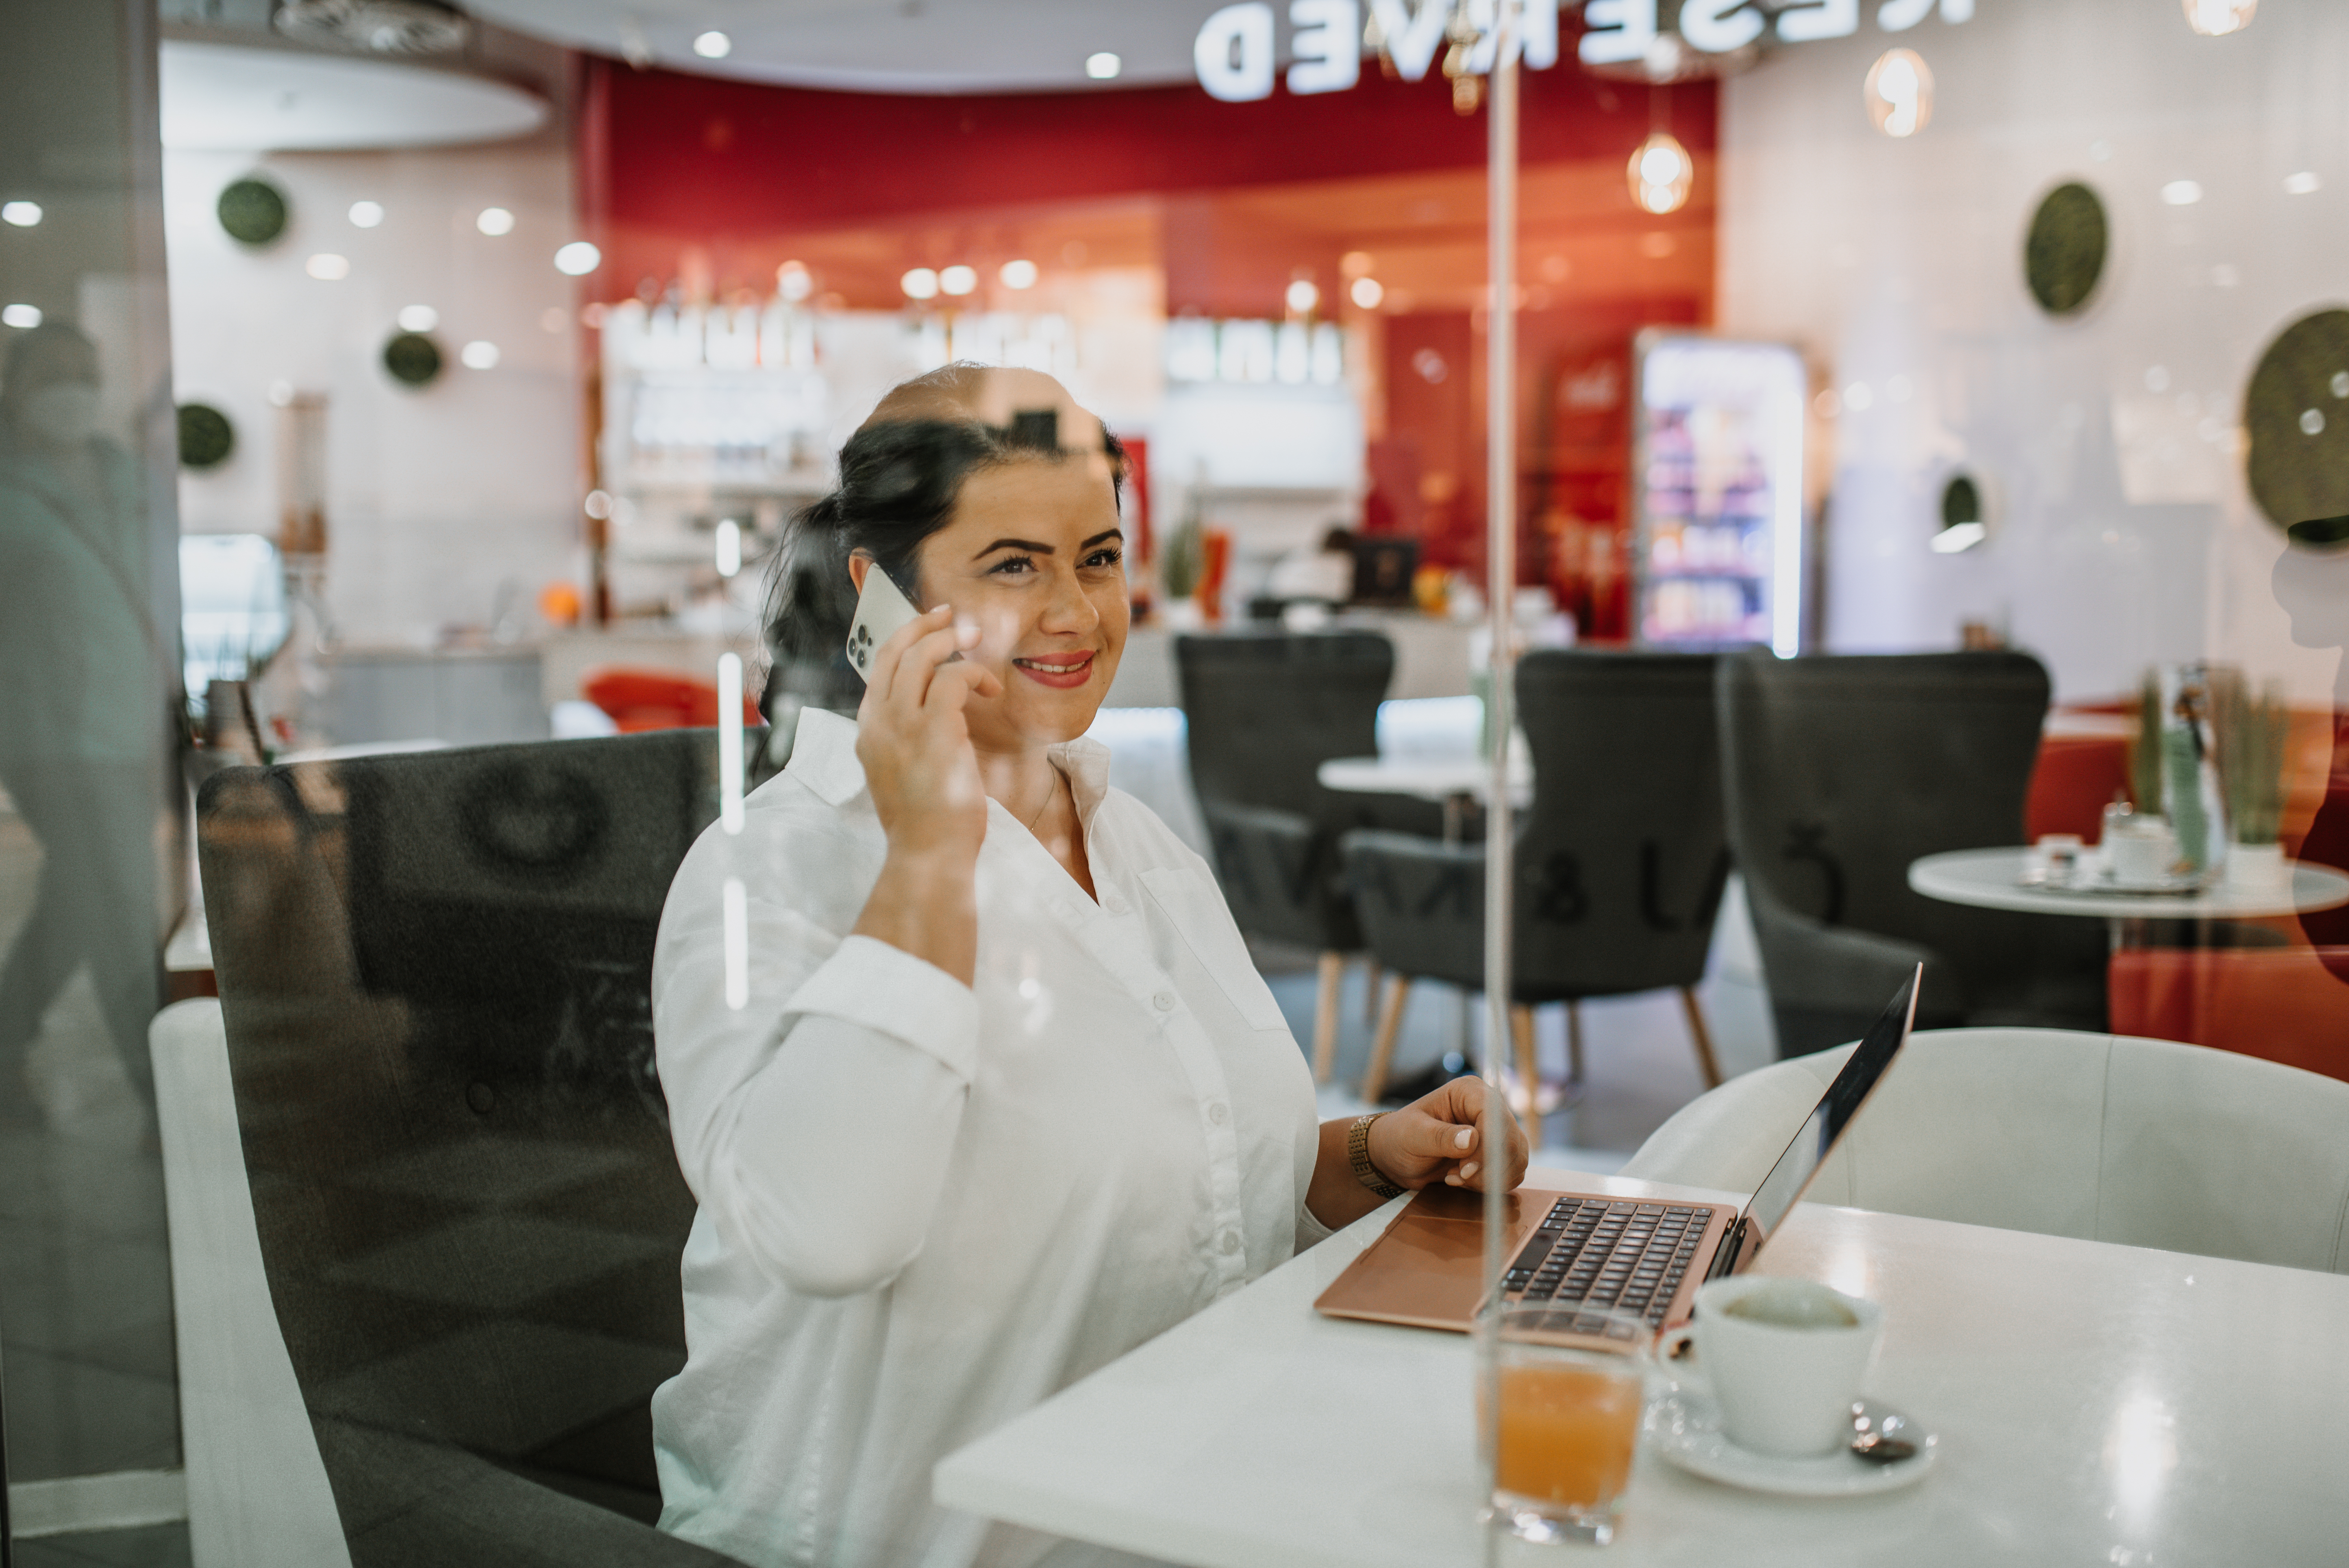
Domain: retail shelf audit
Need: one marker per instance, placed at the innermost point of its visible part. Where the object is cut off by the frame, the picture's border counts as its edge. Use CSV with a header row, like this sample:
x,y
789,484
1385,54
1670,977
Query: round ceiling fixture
x,y
2296,413
253,211
2063,255
234,97
206,437
378,26
1662,173
412,359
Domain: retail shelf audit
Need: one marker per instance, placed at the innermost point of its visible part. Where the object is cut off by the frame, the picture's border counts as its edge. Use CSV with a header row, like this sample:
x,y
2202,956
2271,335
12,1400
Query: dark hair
x,y
900,475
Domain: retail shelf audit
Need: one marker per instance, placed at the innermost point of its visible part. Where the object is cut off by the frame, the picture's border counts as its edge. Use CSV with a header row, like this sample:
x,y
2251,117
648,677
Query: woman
x,y
991,1094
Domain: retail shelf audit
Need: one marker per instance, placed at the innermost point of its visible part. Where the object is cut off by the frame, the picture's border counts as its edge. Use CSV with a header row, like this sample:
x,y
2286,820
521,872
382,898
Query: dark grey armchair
x,y
435,982
1840,771
1620,865
1264,710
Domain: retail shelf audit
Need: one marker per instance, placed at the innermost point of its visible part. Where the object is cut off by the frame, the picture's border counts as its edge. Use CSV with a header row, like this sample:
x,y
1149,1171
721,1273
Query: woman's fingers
x,y
904,673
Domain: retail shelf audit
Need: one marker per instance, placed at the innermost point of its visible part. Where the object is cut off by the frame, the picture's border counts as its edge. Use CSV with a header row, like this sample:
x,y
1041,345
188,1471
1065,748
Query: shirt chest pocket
x,y
1204,924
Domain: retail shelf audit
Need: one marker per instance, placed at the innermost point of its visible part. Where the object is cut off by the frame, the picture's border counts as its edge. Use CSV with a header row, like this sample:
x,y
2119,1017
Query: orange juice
x,y
1568,1432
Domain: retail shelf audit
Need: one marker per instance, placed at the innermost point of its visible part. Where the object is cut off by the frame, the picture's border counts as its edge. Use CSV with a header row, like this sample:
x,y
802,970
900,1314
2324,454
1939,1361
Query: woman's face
x,y
1034,557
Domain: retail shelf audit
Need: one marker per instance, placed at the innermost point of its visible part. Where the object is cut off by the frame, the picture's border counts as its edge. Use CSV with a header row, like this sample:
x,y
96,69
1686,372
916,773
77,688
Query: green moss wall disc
x,y
253,211
206,437
2297,415
413,360
2065,253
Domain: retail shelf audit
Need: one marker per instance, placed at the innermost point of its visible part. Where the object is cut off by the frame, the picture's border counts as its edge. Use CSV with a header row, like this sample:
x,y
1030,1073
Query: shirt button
x,y
1114,905
1231,1240
1216,1113
1163,1001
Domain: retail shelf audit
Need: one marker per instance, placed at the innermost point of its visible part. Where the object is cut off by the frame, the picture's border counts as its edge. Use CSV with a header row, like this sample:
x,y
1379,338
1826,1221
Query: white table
x,y
1445,779
1991,879
2096,1404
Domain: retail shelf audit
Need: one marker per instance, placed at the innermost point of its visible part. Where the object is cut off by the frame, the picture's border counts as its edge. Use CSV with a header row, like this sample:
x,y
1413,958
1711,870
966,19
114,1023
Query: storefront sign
x,y
1235,58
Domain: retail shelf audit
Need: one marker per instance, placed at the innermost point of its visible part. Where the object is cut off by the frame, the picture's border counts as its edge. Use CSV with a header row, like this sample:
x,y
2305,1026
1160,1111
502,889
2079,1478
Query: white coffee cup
x,y
1786,1359
2139,850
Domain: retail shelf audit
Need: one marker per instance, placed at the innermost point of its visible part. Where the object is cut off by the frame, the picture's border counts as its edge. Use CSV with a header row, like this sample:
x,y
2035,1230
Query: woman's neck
x,y
1024,781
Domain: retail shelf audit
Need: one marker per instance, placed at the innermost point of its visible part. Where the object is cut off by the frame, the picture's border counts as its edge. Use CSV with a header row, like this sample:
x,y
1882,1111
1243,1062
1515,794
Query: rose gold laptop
x,y
1588,1249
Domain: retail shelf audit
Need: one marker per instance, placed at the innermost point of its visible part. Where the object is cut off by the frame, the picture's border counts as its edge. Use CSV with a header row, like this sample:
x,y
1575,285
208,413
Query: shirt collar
x,y
824,757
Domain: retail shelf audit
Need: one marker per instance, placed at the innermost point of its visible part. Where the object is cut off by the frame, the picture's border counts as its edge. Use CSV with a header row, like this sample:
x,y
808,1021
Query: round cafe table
x,y
1992,879
1453,782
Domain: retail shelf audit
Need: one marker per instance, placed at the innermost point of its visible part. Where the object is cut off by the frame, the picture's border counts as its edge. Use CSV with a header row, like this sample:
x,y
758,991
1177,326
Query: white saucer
x,y
1684,1426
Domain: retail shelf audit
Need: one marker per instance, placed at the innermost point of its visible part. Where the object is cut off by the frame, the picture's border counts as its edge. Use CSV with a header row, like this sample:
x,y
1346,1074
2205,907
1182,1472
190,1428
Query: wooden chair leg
x,y
1325,1015
1521,1024
1374,1082
1574,1044
1370,974
1702,1036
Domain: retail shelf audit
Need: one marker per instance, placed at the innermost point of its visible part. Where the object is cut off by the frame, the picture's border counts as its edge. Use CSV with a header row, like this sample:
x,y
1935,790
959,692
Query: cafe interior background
x,y
472,361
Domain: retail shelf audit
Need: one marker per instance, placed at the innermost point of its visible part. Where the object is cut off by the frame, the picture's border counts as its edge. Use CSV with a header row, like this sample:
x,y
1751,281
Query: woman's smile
x,y
1064,672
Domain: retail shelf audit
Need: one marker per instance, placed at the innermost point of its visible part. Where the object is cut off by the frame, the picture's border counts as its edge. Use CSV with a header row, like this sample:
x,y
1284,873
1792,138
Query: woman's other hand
x,y
914,740
1437,1138
914,744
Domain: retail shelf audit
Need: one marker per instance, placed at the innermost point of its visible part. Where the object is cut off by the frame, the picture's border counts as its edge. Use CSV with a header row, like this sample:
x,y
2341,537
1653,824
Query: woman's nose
x,y
1068,609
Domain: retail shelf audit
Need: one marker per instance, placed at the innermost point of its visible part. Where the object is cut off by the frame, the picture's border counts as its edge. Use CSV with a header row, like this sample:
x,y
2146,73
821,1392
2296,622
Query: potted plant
x,y
2251,733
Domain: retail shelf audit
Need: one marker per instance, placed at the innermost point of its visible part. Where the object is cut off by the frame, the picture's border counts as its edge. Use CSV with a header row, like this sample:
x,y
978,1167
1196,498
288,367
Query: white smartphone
x,y
882,612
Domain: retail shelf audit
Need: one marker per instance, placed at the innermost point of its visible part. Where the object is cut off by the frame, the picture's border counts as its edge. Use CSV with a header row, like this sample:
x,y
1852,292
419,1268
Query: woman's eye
x,y
1104,558
1012,566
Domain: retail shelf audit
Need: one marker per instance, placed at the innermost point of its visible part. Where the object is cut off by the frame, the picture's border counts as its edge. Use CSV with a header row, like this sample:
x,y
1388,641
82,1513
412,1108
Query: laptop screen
x,y
1776,1198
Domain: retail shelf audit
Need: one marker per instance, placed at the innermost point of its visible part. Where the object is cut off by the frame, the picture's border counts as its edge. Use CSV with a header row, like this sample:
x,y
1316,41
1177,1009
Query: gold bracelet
x,y
1358,1150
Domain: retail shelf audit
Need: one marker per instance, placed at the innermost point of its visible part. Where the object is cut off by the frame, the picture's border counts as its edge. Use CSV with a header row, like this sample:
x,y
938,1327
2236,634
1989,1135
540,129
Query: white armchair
x,y
2100,1137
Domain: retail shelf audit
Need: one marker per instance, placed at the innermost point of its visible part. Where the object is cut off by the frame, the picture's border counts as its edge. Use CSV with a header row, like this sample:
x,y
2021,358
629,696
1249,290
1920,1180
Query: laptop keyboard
x,y
1593,1252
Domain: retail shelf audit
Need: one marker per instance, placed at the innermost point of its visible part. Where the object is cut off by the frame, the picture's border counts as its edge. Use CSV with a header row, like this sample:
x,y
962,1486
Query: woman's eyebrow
x,y
1027,544
1105,536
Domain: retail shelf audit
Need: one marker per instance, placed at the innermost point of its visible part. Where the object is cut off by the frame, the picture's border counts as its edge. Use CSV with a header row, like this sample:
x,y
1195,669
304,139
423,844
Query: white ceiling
x,y
234,97
882,45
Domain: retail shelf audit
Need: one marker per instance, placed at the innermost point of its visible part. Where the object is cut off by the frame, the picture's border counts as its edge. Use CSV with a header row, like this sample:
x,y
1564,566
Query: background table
x,y
2096,1404
1443,779
1991,879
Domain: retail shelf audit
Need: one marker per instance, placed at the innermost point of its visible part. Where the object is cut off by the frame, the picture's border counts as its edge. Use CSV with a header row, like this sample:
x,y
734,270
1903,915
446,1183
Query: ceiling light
x,y
366,214
727,555
1662,174
480,355
2304,183
327,267
417,319
577,259
958,280
1103,67
1367,293
920,283
1018,275
1900,92
2217,18
2181,193
494,220
21,214
713,45
1302,297
20,316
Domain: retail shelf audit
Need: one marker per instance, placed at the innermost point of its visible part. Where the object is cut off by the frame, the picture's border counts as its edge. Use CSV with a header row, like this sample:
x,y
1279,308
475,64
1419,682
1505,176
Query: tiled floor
x,y
150,1546
87,1358
1639,1064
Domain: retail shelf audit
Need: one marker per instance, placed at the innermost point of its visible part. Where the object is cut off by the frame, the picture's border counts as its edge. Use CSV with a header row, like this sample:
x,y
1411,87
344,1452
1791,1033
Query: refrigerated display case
x,y
1717,488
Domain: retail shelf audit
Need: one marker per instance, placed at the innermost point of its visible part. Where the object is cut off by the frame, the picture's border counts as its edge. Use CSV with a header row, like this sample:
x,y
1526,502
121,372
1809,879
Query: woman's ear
x,y
860,562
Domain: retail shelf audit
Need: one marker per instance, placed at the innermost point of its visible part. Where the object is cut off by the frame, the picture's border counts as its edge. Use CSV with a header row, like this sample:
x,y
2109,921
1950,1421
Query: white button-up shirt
x,y
925,1207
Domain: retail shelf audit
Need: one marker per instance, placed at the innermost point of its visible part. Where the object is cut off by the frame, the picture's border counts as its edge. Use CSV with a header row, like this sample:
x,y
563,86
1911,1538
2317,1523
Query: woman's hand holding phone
x,y
912,737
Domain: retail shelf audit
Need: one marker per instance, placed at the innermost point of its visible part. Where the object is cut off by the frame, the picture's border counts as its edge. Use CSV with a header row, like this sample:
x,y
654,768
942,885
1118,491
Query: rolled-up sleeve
x,y
814,1121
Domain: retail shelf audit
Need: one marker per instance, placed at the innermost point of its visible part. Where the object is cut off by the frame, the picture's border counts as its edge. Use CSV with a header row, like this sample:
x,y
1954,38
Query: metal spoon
x,y
1880,1440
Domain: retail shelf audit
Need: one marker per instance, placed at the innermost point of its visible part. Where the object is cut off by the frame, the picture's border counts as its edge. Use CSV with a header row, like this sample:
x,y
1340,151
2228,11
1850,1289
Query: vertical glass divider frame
x,y
1500,718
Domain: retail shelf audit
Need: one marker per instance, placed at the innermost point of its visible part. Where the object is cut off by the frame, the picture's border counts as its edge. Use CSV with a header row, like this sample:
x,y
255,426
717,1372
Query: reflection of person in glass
x,y
81,703
996,1095
2311,583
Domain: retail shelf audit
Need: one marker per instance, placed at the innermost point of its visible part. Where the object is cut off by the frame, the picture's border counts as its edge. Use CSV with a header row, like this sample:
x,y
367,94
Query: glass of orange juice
x,y
1573,1391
